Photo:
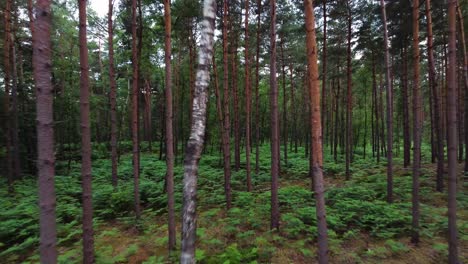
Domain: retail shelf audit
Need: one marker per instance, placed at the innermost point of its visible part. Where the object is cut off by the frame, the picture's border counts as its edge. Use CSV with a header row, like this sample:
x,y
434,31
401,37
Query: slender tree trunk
x,y
235,91
465,78
14,106
226,100
169,129
376,111
316,132
135,93
113,96
7,70
248,97
275,152
42,57
197,134
257,87
452,134
88,240
324,68
417,123
389,109
435,96
406,125
294,109
349,98
285,103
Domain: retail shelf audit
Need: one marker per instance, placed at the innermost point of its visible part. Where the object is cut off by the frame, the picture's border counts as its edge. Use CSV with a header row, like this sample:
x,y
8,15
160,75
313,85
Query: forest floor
x,y
363,228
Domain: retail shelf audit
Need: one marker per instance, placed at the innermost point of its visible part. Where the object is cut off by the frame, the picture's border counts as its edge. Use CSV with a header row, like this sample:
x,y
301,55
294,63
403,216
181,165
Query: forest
x,y
218,131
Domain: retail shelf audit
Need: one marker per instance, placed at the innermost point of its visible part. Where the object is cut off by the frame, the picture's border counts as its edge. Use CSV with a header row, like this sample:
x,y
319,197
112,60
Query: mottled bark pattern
x,y
197,134
316,132
247,97
42,54
452,134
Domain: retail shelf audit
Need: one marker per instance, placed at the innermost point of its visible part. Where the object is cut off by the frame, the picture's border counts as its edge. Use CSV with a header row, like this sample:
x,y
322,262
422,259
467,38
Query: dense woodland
x,y
216,131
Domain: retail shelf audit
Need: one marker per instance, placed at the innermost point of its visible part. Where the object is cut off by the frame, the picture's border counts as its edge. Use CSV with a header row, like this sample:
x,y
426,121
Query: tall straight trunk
x,y
376,110
169,129
88,240
42,56
452,135
14,106
417,124
147,114
197,134
226,100
349,97
324,67
294,109
235,92
316,132
257,87
248,97
135,93
389,109
275,152
465,79
285,103
435,97
337,118
7,71
112,95
406,125
191,66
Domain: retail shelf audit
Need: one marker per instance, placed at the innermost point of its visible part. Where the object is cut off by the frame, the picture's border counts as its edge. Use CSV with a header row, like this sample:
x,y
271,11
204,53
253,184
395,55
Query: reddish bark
x,y
169,129
324,67
257,85
316,133
349,97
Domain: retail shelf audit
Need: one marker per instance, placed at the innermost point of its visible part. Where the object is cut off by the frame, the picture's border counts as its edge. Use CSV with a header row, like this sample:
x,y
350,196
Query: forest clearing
x,y
217,131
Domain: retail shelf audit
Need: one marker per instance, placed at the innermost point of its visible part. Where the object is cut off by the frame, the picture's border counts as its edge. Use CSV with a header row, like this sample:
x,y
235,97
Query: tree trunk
x,y
435,96
197,134
452,135
248,98
324,68
406,124
88,240
7,70
275,152
135,93
316,132
257,87
285,103
42,57
417,123
465,78
349,98
113,96
389,109
14,105
169,129
235,91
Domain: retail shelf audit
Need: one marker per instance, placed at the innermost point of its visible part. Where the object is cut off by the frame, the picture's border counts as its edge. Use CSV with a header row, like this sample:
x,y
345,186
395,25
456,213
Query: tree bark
x,y
248,97
389,109
275,152
42,56
316,132
349,97
324,67
435,98
197,134
406,124
285,103
169,129
113,96
417,123
7,71
135,93
257,87
88,240
452,134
